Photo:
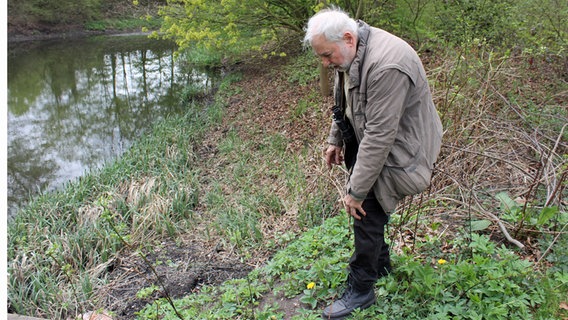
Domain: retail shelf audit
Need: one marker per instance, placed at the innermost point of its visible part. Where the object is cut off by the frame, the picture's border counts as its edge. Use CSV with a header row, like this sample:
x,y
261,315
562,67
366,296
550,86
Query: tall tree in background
x,y
234,27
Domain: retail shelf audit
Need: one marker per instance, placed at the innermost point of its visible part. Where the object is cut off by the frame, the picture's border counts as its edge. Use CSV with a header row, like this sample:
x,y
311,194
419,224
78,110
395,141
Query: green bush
x,y
461,21
56,12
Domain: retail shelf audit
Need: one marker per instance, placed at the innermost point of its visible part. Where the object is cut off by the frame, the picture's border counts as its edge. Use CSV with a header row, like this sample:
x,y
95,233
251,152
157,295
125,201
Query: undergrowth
x,y
492,283
486,241
453,257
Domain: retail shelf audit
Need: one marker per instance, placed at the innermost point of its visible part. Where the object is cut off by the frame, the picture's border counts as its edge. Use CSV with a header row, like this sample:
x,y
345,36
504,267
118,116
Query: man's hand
x,y
333,155
353,207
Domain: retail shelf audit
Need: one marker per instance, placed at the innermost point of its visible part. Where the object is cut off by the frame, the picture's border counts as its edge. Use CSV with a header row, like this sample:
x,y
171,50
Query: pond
x,y
75,104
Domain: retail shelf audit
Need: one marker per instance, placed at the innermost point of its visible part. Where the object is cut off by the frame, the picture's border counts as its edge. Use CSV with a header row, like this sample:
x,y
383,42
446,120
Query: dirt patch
x,y
173,269
69,35
289,306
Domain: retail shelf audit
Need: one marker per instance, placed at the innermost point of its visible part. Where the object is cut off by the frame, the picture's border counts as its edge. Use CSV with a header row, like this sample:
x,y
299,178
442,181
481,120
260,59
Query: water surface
x,y
74,104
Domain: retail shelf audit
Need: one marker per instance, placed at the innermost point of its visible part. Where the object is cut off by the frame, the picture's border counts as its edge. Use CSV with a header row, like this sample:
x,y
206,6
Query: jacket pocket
x,y
407,181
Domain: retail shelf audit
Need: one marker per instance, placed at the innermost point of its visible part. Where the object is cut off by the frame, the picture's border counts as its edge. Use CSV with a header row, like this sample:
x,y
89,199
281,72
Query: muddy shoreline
x,y
68,32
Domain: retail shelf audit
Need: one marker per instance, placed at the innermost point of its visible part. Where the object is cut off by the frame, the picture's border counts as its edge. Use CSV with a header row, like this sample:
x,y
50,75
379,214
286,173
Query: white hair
x,y
332,23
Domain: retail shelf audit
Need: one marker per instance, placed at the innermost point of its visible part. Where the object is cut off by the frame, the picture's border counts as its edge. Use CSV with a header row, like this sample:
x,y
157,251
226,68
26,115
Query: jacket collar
x,y
362,39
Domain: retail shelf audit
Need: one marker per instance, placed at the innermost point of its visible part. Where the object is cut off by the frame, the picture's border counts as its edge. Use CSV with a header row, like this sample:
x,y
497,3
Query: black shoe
x,y
351,300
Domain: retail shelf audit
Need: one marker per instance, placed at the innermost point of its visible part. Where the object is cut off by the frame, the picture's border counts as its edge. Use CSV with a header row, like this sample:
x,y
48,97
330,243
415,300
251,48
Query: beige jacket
x,y
394,118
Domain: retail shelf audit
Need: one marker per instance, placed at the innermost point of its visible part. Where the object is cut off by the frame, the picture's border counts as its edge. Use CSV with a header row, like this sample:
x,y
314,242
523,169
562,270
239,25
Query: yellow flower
x,y
442,261
311,285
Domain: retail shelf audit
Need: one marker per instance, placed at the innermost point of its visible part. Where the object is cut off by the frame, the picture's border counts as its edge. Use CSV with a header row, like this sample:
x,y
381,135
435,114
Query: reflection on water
x,y
74,104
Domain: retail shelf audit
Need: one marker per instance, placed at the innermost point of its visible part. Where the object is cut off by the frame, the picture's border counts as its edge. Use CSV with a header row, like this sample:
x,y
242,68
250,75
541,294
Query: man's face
x,y
337,55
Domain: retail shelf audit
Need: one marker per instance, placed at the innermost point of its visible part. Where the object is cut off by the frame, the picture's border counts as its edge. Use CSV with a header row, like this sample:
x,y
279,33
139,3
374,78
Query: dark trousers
x,y
371,257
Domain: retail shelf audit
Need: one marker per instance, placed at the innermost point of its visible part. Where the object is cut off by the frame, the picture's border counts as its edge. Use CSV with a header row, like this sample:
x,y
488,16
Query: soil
x,y
22,33
177,269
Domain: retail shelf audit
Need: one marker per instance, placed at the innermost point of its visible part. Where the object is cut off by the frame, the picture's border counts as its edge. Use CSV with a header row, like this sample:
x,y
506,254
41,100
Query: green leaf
x,y
546,214
478,225
507,204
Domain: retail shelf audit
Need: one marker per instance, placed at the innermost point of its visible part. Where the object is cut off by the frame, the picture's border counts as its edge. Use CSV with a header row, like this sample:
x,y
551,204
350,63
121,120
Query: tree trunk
x,y
324,81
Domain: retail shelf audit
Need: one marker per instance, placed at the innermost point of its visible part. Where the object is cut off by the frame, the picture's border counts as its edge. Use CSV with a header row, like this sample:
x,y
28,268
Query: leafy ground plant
x,y
494,283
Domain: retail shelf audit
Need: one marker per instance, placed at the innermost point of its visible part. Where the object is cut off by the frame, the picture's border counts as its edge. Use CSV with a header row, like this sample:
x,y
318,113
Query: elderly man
x,y
383,95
